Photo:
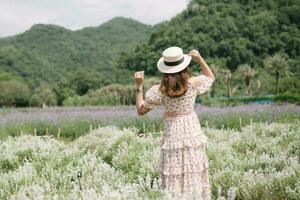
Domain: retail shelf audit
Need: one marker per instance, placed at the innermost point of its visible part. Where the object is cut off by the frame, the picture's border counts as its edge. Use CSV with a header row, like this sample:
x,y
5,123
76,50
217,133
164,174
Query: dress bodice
x,y
184,103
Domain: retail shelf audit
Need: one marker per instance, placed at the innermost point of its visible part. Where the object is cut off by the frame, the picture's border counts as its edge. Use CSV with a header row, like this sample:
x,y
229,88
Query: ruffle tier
x,y
188,183
185,170
182,131
181,141
183,160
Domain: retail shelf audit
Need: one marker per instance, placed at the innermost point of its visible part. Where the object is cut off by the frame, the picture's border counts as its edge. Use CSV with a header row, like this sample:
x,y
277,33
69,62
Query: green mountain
x,y
227,33
230,34
50,52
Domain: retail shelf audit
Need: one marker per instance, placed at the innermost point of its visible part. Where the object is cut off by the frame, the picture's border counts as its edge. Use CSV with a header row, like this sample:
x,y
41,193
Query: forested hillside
x,y
253,47
228,33
49,52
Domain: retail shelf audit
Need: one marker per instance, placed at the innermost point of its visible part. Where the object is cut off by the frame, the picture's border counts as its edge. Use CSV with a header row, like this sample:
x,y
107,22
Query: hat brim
x,y
173,69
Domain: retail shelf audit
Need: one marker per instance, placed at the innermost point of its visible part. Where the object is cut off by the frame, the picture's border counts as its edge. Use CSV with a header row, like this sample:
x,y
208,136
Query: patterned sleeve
x,y
152,97
204,83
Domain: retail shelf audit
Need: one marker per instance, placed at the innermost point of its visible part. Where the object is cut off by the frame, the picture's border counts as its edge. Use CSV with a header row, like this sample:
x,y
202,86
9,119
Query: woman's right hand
x,y
195,55
139,78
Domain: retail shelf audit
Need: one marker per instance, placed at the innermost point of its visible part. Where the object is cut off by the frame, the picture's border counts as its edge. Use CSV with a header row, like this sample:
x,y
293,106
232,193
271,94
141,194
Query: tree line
x,y
253,48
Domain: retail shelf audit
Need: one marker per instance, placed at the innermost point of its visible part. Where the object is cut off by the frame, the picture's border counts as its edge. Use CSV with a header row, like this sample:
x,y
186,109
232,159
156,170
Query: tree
x,y
4,76
14,93
248,73
216,71
227,77
85,79
43,95
277,64
63,90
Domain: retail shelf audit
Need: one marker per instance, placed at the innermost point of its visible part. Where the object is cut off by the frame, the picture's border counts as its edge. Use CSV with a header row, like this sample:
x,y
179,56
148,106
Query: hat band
x,y
174,63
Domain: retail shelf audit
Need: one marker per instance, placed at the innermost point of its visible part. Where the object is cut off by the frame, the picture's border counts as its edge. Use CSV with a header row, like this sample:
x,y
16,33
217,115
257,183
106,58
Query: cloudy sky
x,y
19,15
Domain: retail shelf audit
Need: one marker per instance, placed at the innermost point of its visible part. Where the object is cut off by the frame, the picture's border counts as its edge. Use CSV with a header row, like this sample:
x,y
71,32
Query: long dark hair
x,y
176,84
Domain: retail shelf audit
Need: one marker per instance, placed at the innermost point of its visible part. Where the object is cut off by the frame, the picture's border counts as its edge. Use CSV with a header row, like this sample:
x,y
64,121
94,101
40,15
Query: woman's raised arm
x,y
198,58
139,81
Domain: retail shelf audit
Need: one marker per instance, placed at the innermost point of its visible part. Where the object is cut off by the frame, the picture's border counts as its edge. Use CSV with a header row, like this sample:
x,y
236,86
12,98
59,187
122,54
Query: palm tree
x,y
225,74
248,72
215,69
277,62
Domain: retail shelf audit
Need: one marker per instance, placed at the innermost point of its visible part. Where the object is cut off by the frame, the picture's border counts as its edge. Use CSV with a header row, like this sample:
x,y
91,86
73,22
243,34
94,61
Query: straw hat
x,y
173,60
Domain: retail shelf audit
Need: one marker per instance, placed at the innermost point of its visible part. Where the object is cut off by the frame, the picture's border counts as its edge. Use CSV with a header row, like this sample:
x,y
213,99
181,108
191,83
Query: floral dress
x,y
183,162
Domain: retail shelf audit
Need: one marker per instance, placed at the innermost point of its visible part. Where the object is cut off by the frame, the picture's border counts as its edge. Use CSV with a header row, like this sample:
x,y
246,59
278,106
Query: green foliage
x,y
288,97
4,76
290,84
14,93
43,95
277,61
230,35
113,94
49,52
236,100
230,32
277,64
63,89
8,165
85,79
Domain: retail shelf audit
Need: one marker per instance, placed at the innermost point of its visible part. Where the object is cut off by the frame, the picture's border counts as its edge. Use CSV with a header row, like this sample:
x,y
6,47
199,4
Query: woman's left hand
x,y
195,55
139,78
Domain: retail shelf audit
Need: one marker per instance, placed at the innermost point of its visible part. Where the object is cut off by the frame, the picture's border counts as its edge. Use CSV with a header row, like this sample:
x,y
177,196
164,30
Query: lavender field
x,y
55,114
75,121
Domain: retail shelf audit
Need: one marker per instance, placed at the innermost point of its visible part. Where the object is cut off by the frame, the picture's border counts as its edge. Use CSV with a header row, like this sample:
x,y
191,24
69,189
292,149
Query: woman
x,y
183,162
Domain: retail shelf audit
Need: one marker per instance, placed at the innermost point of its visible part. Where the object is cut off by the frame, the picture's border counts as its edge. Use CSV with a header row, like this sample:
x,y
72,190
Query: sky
x,y
16,16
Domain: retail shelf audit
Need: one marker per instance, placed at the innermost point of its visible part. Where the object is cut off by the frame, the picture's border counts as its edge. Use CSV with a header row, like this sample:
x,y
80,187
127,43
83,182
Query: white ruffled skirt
x,y
183,161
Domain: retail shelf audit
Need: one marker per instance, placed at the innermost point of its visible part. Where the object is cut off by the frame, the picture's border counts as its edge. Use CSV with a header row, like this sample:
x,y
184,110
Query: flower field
x,y
259,162
112,153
